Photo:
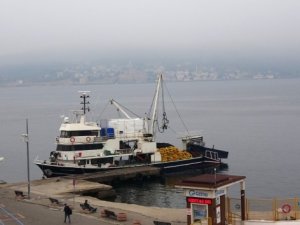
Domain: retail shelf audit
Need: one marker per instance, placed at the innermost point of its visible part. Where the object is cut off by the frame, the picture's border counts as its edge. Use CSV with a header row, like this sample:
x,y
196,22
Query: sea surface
x,y
257,121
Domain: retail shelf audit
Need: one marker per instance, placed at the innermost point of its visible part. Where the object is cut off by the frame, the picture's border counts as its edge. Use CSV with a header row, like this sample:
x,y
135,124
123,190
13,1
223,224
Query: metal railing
x,y
204,221
264,209
211,155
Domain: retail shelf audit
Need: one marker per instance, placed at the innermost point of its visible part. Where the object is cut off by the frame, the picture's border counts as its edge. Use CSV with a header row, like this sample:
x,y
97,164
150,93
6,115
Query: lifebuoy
x,y
72,139
237,206
88,139
286,208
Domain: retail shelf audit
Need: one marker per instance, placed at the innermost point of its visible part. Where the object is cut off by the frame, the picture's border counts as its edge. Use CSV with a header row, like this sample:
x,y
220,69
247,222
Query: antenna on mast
x,y
85,95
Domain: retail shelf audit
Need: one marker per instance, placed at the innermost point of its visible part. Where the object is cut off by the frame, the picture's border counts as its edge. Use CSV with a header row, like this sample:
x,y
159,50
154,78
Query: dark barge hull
x,y
166,167
179,166
195,150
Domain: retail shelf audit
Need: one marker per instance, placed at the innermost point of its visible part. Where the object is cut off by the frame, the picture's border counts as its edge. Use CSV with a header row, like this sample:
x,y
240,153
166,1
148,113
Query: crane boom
x,y
154,110
120,108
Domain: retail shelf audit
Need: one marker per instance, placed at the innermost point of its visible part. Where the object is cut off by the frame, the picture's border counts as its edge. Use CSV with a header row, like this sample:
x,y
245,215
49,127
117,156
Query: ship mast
x,y
155,101
154,109
84,95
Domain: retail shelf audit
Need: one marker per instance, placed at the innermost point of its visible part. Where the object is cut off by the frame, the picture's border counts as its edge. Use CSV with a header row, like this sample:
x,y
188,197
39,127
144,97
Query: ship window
x,y
101,161
78,147
132,144
64,134
94,133
81,133
82,162
68,134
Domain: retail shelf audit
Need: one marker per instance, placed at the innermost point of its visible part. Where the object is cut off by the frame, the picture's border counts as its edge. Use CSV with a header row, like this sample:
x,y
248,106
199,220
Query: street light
x,y
26,139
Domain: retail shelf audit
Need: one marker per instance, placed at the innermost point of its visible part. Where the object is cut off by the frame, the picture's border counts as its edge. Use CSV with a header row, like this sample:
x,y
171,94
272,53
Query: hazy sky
x,y
222,28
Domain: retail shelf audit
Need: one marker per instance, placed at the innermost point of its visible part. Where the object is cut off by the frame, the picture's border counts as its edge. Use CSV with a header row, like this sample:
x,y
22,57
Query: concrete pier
x,y
119,174
60,187
86,184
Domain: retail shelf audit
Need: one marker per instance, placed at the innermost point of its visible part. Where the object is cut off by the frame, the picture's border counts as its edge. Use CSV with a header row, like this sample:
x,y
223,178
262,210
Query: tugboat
x,y
87,147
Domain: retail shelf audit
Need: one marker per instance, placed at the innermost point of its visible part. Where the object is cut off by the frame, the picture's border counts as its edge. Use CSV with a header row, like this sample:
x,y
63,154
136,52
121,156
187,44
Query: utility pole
x,y
26,140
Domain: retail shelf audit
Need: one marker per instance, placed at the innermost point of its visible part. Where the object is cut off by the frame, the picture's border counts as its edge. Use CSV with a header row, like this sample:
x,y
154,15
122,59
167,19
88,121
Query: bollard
x,y
121,217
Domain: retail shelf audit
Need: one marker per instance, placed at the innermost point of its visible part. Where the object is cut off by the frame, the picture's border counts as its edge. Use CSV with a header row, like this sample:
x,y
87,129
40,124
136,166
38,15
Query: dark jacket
x,y
67,210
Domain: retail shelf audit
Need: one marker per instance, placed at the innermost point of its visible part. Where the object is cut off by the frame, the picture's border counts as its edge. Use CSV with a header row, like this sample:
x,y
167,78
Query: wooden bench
x,y
161,223
55,201
110,214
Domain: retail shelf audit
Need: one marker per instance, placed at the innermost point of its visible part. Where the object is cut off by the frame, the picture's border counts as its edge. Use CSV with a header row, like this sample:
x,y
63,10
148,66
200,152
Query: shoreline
x,y
39,209
41,190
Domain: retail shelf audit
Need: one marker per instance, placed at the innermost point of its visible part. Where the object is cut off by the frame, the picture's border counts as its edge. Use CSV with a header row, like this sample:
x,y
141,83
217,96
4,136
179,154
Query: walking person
x,y
68,213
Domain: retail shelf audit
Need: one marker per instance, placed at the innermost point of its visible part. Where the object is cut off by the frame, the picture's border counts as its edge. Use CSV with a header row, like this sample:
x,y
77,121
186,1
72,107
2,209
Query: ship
x,y
88,147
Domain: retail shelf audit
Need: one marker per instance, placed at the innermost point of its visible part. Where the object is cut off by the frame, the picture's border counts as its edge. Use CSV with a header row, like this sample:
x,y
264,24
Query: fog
x,y
209,29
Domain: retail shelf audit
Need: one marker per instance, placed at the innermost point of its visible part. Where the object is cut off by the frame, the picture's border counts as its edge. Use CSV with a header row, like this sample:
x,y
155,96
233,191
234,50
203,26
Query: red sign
x,y
204,201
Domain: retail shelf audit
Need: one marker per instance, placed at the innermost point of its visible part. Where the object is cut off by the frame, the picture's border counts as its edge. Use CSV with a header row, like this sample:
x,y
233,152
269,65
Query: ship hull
x,y
53,170
197,150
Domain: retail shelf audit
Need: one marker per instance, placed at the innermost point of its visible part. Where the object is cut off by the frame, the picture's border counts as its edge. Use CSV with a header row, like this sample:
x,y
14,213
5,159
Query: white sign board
x,y
218,214
199,193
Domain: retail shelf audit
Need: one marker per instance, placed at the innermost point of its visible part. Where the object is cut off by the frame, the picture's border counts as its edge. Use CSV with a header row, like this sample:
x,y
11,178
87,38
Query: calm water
x,y
258,122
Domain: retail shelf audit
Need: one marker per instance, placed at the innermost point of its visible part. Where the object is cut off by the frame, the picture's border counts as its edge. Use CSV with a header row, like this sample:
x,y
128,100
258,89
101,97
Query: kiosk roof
x,y
210,180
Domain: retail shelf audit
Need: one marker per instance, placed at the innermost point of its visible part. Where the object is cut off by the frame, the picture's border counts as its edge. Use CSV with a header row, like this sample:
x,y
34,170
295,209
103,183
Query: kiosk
x,y
206,198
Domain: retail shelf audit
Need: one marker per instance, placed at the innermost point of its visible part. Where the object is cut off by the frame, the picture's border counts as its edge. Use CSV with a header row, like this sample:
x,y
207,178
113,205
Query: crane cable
x,y
165,121
177,112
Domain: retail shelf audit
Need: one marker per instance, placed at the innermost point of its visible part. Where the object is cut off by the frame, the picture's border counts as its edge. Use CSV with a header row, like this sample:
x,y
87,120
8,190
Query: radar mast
x,y
85,95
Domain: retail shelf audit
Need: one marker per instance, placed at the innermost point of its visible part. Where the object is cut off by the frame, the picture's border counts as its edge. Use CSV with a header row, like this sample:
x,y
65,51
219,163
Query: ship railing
x,y
40,161
104,138
129,135
120,136
99,139
211,155
124,151
196,138
37,160
46,162
80,139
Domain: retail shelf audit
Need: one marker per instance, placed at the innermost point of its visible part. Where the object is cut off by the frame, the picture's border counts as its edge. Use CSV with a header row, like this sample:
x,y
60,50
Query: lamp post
x,y
26,140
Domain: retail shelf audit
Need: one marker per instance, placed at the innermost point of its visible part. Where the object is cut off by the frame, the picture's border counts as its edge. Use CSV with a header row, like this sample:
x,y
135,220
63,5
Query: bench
x,y
110,214
90,209
20,194
54,201
161,223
